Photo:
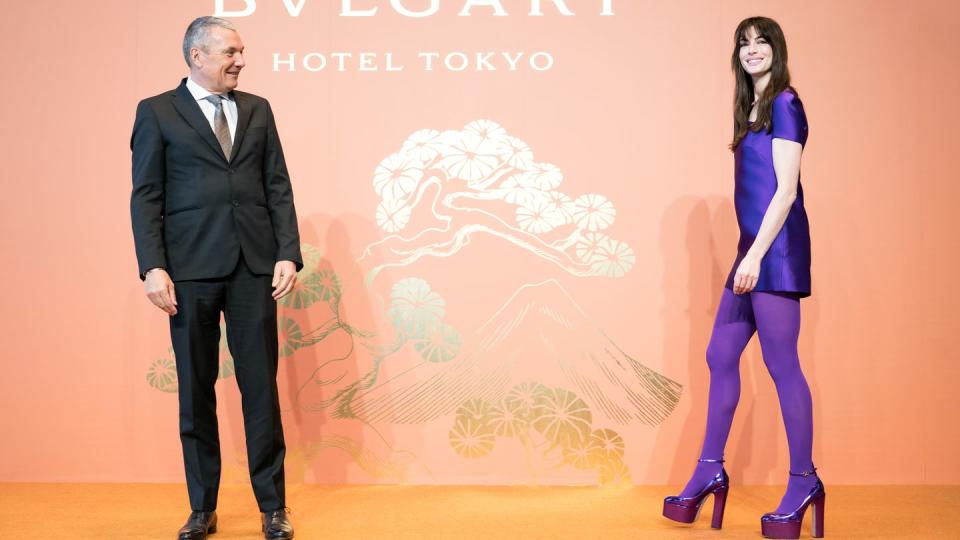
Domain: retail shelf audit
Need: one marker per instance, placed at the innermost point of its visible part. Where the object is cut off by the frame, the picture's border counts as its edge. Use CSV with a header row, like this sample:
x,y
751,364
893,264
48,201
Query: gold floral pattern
x,y
471,438
441,345
415,309
579,455
315,286
162,375
561,422
291,337
562,418
605,445
614,472
508,418
524,397
475,410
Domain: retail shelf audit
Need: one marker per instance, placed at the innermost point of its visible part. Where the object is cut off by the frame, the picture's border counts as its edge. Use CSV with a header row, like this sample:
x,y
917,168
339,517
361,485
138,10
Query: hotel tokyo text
x,y
456,61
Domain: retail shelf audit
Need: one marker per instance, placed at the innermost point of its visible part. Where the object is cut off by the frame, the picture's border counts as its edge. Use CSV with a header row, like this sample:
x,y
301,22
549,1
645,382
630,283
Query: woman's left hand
x,y
747,275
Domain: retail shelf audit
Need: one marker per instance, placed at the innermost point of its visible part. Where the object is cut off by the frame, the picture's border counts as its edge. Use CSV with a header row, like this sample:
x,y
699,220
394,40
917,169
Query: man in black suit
x,y
216,231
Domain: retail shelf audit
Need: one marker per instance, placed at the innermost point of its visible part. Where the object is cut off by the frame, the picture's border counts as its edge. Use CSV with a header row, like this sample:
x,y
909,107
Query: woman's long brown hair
x,y
779,78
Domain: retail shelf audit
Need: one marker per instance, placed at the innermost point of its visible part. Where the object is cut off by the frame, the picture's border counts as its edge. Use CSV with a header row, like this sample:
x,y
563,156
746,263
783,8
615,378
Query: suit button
x,y
236,204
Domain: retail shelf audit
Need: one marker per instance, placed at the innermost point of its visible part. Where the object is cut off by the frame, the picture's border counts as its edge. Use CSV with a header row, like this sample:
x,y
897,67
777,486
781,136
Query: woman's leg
x,y
733,328
778,326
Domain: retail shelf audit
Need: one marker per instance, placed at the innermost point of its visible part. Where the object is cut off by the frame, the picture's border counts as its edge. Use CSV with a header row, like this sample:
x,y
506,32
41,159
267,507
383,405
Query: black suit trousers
x,y
250,313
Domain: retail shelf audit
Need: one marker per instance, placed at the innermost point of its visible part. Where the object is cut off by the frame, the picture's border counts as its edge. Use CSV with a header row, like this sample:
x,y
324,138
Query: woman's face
x,y
756,54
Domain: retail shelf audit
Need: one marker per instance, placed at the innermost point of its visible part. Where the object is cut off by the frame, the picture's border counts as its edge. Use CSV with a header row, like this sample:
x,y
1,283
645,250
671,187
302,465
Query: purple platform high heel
x,y
686,509
775,525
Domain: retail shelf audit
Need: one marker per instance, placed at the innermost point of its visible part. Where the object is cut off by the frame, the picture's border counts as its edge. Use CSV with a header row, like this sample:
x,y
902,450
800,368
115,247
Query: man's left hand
x,y
284,278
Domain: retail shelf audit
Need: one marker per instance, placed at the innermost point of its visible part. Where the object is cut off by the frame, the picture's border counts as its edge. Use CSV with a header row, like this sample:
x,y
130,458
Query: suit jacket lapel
x,y
243,119
188,108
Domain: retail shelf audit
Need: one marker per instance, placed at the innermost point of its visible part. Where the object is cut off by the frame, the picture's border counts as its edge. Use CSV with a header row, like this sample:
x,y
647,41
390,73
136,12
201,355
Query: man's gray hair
x,y
198,33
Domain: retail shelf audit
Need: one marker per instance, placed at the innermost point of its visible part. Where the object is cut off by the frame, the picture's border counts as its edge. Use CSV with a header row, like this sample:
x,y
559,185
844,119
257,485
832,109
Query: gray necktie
x,y
220,127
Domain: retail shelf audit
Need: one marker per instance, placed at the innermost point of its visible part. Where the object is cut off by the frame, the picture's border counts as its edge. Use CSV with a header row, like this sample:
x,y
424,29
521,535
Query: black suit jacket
x,y
193,210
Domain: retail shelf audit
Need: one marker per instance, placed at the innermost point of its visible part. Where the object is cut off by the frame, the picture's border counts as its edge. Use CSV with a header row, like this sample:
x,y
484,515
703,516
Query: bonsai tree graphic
x,y
438,192
482,181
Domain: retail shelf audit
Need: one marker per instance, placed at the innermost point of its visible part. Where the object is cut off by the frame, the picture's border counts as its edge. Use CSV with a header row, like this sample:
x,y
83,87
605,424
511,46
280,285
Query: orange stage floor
x,y
499,513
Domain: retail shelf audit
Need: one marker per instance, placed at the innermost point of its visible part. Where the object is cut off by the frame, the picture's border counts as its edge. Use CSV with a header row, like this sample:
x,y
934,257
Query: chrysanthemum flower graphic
x,y
613,259
291,337
311,260
565,419
605,445
521,188
593,212
415,309
590,246
487,130
524,397
474,409
442,344
515,153
328,285
423,145
546,176
162,375
562,204
471,438
397,176
508,418
538,216
578,454
469,157
319,286
614,471
393,215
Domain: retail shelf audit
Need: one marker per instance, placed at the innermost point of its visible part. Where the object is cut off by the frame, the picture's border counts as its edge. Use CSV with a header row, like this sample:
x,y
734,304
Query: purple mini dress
x,y
786,265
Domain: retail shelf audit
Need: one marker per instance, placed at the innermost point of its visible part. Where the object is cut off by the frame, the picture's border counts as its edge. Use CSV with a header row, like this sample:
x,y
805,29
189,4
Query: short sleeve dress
x,y
786,265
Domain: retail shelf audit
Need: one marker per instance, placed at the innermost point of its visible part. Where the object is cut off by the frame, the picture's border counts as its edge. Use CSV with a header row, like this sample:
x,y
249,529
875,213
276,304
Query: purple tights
x,y
776,318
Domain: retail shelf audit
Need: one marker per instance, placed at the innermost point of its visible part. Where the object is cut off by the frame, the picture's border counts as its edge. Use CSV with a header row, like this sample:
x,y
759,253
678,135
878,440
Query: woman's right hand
x,y
748,273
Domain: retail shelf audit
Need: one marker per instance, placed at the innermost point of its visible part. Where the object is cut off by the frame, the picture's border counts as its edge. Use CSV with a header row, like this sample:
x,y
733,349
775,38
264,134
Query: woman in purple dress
x,y
763,291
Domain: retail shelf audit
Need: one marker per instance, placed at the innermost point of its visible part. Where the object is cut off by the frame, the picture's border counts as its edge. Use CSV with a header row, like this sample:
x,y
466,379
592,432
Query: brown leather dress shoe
x,y
198,526
276,524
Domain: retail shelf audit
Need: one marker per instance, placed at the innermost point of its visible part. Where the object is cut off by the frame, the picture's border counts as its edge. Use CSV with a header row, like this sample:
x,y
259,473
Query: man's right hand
x,y
159,289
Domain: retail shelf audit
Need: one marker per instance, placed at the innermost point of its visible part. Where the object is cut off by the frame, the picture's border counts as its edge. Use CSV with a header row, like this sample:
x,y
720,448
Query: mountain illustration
x,y
539,335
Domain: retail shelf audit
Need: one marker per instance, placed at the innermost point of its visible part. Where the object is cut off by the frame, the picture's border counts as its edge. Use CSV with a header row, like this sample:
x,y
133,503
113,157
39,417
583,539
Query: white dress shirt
x,y
229,107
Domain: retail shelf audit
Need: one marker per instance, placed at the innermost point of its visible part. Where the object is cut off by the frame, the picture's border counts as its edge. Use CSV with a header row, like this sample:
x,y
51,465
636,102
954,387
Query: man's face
x,y
217,66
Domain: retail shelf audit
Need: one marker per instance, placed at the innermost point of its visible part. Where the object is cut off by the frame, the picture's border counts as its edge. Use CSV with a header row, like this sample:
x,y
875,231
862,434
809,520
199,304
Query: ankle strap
x,y
711,460
804,474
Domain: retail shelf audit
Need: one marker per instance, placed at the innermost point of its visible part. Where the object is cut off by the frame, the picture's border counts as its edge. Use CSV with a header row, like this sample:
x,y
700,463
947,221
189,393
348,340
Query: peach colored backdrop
x,y
636,108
